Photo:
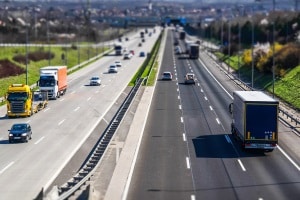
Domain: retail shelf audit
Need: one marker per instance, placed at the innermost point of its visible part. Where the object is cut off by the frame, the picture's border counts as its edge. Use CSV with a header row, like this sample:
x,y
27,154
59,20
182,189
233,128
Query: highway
x,y
187,151
61,129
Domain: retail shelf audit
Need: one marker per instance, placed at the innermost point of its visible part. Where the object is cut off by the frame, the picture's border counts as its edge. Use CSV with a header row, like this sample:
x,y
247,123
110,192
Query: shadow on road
x,y
217,146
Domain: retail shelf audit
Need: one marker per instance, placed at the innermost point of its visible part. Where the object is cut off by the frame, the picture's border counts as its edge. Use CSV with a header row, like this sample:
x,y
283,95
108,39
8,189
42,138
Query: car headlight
x,y
10,135
24,134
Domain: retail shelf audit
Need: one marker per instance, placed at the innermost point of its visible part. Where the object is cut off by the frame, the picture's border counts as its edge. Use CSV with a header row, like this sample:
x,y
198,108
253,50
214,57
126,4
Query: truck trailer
x,y
181,35
53,80
23,102
118,48
192,49
255,120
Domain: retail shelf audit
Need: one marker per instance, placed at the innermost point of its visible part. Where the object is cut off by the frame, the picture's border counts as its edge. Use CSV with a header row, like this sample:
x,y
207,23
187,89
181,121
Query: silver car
x,y
95,80
113,69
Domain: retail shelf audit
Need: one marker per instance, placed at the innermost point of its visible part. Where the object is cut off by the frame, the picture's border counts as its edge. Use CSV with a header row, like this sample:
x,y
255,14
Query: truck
x,y
118,48
254,120
23,102
192,49
53,80
181,35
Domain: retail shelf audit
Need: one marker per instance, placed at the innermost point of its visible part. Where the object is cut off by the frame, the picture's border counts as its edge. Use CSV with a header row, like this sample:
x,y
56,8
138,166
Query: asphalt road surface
x,y
61,129
187,151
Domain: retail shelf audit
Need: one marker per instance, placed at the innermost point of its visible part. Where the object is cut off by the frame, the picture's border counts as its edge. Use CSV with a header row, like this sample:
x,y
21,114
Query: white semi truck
x,y
53,80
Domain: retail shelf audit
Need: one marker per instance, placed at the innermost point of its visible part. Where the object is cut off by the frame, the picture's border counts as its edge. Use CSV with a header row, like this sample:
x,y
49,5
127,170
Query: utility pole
x,y
273,64
252,55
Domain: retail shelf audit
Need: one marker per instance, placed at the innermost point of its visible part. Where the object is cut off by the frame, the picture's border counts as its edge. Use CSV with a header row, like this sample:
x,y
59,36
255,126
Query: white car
x,y
127,56
118,64
167,76
189,78
95,80
113,69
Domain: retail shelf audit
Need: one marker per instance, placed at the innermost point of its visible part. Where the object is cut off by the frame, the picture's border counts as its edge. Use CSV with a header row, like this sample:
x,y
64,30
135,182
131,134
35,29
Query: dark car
x,y
142,54
20,131
140,44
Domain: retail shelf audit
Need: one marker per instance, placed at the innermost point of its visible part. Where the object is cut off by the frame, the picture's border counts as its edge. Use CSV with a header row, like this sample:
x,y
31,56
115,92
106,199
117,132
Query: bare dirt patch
x,y
8,68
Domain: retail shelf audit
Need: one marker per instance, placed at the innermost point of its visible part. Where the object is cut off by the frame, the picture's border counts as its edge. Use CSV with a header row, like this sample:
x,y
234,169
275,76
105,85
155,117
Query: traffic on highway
x,y
59,130
180,140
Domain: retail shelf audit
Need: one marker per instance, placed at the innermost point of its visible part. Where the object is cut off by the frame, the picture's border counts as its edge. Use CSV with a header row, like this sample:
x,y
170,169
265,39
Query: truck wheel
x,y
58,94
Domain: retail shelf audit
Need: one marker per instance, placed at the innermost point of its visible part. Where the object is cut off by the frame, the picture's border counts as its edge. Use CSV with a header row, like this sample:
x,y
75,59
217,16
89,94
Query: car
x,y
95,80
132,52
167,76
143,40
142,54
140,44
126,39
113,69
189,78
178,50
118,63
127,56
20,131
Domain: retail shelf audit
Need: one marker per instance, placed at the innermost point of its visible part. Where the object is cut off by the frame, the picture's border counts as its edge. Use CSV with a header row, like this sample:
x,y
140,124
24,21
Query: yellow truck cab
x,y
19,100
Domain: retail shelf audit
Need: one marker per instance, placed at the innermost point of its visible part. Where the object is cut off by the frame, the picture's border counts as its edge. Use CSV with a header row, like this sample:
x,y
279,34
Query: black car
x,y
20,131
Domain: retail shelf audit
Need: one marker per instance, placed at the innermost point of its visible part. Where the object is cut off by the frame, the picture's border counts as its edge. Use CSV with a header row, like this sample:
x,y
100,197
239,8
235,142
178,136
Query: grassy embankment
x,y
149,67
73,57
286,88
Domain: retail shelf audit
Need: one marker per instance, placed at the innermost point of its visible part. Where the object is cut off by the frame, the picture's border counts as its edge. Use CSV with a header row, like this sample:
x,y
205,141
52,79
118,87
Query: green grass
x,y
288,87
152,75
146,69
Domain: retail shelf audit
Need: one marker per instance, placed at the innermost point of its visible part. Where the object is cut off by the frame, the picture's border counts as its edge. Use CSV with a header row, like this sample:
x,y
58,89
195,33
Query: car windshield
x,y
18,127
167,74
112,66
95,78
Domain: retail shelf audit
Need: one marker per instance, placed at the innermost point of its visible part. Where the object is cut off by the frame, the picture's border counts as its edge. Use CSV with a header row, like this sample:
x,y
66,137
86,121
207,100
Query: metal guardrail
x,y
84,174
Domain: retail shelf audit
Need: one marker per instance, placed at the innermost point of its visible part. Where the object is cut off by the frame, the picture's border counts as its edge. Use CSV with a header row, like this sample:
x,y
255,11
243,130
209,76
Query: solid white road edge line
x,y
289,158
184,137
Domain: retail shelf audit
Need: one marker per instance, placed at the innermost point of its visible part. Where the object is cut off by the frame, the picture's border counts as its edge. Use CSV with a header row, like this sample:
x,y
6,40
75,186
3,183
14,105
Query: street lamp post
x,y
273,59
252,54
239,49
26,49
229,35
